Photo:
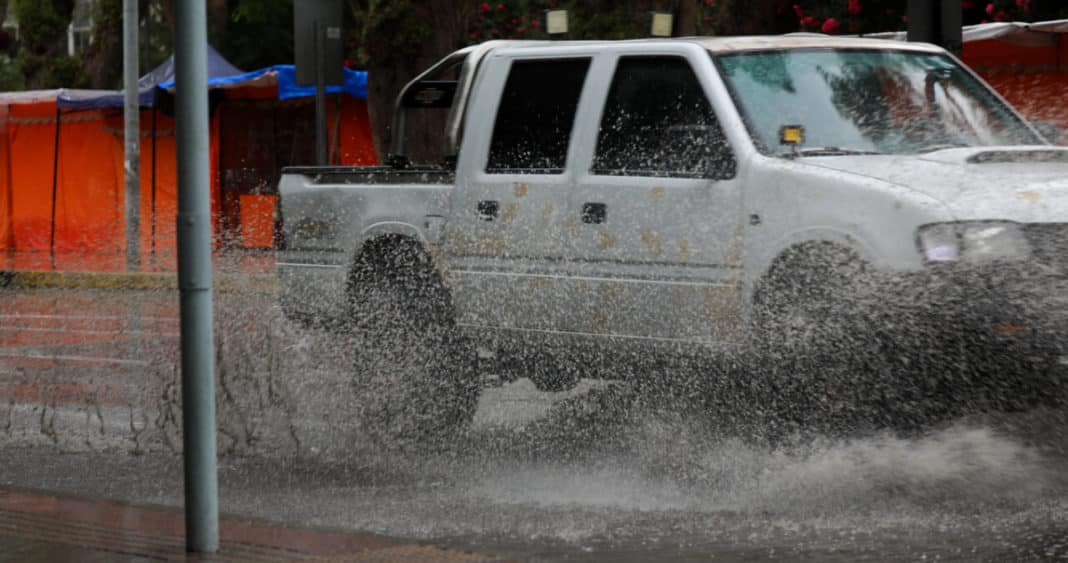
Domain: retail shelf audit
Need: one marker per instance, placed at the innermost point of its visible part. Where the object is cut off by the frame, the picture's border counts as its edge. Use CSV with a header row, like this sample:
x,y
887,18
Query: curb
x,y
225,282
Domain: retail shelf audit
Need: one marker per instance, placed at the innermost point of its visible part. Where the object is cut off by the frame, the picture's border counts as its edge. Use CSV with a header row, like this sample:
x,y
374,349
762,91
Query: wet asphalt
x,y
88,406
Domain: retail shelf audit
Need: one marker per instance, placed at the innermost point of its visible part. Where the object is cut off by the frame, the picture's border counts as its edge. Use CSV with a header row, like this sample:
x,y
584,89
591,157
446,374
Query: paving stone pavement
x,y
41,526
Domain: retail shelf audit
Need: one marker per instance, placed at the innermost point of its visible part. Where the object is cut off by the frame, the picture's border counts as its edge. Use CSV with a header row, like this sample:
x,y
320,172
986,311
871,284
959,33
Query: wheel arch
x,y
806,243
375,250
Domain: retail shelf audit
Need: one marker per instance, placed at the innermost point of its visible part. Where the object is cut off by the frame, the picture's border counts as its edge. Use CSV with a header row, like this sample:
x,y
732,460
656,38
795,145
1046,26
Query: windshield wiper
x,y
942,147
826,151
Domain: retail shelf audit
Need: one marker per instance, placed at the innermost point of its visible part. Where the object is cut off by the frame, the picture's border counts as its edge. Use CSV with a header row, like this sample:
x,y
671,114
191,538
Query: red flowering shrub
x,y
524,19
508,20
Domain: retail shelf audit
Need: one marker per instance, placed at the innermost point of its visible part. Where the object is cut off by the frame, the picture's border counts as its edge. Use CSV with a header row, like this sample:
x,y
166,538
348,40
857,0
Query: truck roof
x,y
750,43
469,58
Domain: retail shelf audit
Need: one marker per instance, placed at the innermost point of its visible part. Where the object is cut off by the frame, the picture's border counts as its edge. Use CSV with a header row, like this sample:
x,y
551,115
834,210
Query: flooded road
x,y
88,405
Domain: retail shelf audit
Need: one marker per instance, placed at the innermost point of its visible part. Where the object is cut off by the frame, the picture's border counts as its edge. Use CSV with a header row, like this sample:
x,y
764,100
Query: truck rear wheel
x,y
416,378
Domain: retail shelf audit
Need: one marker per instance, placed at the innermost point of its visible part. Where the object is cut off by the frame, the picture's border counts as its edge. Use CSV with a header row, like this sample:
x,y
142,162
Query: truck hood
x,y
1025,184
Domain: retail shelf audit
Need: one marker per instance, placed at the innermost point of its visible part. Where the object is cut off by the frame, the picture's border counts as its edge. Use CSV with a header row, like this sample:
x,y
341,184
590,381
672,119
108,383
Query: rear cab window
x,y
536,116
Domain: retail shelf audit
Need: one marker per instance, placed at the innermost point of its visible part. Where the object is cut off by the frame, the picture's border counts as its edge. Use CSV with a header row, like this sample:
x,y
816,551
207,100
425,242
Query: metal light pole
x,y
195,278
320,95
132,134
317,52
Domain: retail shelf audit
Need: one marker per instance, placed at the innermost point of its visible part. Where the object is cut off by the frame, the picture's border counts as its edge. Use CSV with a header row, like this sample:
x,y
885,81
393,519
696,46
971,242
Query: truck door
x,y
504,240
654,221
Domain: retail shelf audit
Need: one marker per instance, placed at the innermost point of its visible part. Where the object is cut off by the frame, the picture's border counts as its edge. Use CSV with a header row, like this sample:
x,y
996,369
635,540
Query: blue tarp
x,y
221,74
146,85
355,83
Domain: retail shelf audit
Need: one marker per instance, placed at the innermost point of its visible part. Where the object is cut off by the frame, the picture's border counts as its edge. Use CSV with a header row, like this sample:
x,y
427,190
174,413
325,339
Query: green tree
x,y
41,57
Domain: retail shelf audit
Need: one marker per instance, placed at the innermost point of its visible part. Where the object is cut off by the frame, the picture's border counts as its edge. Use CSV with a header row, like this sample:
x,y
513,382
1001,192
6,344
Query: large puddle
x,y
584,474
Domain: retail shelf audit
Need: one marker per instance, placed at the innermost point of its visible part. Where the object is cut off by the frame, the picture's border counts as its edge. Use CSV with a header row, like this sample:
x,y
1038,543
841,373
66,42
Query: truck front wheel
x,y
415,376
810,343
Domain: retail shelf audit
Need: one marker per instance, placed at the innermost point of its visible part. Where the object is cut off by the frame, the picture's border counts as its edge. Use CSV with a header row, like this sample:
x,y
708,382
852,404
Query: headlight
x,y
976,242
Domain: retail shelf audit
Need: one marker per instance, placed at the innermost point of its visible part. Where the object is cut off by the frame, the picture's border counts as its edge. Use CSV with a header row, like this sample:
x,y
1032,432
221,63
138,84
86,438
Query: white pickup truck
x,y
597,202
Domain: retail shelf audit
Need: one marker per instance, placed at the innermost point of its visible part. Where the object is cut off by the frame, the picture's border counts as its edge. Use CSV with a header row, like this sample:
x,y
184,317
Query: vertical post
x,y
320,96
153,195
55,185
195,278
132,135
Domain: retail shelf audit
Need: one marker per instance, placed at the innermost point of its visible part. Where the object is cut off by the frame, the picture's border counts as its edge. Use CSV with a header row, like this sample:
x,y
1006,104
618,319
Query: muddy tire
x,y
416,380
810,341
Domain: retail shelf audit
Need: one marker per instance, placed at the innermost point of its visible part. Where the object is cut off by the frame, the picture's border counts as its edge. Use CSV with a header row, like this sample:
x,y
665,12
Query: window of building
x,y
536,115
80,30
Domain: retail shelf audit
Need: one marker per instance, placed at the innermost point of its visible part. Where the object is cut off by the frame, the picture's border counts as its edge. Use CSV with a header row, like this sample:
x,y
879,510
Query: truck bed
x,y
328,213
419,174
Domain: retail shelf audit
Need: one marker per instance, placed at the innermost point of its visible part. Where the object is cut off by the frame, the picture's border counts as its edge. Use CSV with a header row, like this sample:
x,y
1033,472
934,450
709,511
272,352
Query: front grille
x,y
1049,242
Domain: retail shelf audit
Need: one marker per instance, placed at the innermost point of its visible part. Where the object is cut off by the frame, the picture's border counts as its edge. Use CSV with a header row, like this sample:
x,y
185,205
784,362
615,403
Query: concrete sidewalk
x,y
233,271
41,526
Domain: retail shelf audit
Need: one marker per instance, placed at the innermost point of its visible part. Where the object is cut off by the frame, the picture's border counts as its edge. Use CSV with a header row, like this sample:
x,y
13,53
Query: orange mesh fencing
x,y
1033,78
89,211
7,237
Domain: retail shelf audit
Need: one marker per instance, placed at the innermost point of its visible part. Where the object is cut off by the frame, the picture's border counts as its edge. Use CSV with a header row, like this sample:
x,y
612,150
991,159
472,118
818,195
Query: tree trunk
x,y
752,17
441,26
218,16
103,58
687,22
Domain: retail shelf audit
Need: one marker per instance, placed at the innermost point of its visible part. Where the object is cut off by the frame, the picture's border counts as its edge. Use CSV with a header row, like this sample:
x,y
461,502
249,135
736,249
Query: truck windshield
x,y
866,101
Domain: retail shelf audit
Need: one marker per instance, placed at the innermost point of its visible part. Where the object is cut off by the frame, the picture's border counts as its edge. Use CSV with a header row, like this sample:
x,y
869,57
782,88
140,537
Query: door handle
x,y
488,209
594,213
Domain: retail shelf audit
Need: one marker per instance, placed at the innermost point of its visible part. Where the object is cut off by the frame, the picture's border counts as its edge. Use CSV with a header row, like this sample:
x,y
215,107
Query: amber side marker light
x,y
1009,329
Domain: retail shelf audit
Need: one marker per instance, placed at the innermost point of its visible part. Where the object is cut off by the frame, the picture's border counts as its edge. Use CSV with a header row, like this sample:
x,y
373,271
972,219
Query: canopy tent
x,y
62,163
1027,63
218,68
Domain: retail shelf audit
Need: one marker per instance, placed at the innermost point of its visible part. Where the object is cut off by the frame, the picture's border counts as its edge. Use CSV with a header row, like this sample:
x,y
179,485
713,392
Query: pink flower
x,y
1001,16
484,7
990,9
809,21
474,35
519,31
500,7
535,24
854,7
1024,5
797,10
830,27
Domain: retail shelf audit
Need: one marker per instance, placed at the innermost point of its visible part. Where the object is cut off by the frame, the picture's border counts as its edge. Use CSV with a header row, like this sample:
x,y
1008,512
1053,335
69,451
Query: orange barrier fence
x,y
75,204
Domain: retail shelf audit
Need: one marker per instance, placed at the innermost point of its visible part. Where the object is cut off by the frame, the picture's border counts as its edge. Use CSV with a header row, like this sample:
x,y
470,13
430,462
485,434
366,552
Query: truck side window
x,y
536,115
658,122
